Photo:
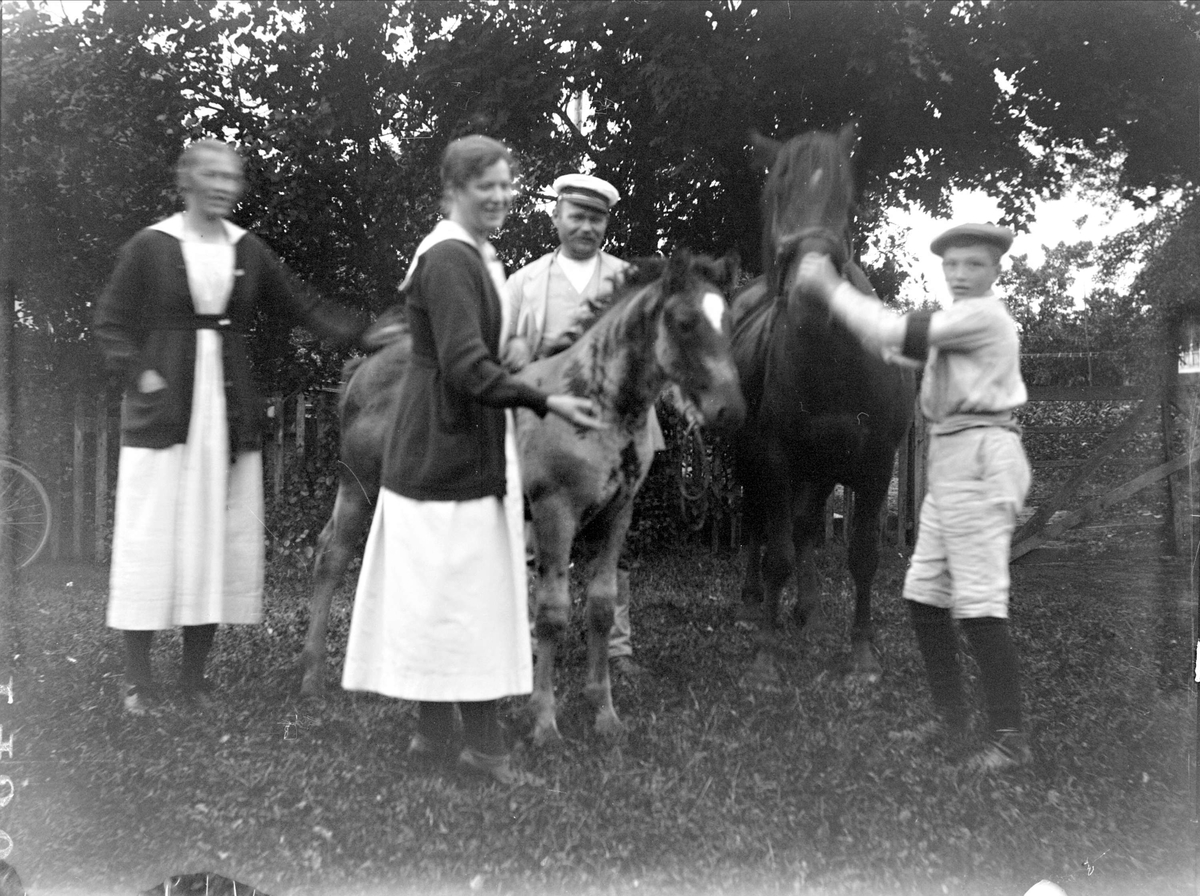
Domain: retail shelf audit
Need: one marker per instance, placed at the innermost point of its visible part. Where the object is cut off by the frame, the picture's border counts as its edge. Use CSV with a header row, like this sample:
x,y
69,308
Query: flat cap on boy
x,y
1000,237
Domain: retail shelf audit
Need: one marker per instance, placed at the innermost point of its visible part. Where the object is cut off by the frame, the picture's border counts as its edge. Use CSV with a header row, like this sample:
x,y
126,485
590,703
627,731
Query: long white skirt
x,y
440,611
187,527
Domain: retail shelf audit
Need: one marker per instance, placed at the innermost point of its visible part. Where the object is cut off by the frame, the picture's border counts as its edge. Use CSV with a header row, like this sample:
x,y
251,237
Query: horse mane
x,y
637,273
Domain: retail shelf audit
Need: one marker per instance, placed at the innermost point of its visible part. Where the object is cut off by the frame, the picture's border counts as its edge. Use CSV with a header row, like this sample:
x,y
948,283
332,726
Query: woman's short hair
x,y
187,158
468,157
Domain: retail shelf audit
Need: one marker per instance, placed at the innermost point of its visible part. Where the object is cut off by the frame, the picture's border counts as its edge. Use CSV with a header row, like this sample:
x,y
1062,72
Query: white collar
x,y
444,230
173,226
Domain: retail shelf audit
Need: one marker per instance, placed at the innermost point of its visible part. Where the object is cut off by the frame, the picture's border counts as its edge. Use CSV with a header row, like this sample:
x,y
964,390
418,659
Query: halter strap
x,y
787,244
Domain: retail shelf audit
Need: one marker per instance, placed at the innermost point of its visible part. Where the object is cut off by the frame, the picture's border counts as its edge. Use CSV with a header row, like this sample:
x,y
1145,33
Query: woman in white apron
x,y
440,614
172,322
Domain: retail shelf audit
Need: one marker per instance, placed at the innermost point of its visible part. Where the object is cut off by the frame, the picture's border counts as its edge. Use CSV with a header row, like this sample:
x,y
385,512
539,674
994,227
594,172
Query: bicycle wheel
x,y
26,509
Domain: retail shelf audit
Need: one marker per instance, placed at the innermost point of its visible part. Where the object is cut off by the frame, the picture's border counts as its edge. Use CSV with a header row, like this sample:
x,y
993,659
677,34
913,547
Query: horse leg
x,y
335,546
761,492
554,528
601,595
809,525
863,561
750,607
778,562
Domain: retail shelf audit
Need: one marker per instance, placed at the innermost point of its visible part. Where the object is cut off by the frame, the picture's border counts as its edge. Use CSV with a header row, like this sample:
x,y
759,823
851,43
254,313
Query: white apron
x,y
187,526
440,613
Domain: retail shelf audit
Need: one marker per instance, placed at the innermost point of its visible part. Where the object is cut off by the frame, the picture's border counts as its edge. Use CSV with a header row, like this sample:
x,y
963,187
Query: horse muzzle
x,y
722,406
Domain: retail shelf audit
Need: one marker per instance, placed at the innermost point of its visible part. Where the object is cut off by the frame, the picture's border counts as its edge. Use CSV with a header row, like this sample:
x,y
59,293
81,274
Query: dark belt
x,y
196,322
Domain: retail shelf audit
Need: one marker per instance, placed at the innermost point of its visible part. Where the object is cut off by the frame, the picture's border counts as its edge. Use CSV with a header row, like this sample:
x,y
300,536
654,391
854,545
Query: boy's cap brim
x,y
1000,237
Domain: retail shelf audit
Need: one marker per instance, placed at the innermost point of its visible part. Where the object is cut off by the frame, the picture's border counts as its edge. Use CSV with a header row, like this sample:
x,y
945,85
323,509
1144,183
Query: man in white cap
x,y
547,297
548,294
978,477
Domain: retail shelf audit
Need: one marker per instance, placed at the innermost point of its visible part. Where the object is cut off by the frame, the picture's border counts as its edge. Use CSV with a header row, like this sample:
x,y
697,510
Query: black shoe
x,y
138,698
426,751
938,733
626,667
196,692
1009,749
498,768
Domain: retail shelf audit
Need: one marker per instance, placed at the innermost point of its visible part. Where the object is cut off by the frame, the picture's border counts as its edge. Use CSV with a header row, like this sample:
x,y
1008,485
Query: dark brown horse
x,y
670,323
821,411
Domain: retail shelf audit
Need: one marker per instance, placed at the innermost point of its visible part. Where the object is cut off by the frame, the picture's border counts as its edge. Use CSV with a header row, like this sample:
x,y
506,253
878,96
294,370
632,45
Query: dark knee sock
x,y
197,642
436,721
137,656
481,727
999,670
938,644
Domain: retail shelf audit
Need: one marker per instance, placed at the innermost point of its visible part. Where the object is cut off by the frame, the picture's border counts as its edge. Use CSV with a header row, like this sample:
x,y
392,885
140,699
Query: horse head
x,y
692,343
806,201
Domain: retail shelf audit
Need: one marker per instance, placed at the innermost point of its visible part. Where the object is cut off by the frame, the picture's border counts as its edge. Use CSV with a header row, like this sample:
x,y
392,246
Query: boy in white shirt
x,y
978,475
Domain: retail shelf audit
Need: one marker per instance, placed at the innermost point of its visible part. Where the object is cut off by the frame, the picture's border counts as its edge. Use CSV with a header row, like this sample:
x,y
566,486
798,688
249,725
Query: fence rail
x,y
296,423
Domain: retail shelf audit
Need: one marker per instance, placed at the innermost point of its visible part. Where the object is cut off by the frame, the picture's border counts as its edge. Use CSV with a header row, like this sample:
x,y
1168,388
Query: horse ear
x,y
677,270
847,139
724,272
765,149
641,271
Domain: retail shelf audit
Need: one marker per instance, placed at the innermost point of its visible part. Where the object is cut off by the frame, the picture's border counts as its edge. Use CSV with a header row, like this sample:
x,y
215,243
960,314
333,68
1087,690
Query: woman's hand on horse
x,y
517,354
580,411
818,275
151,381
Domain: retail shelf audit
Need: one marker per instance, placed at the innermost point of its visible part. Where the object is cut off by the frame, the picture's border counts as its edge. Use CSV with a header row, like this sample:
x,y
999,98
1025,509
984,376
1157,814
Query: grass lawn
x,y
714,789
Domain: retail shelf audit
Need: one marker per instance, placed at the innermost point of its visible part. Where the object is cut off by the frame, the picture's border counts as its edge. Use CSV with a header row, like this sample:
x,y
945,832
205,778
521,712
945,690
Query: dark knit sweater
x,y
447,443
145,321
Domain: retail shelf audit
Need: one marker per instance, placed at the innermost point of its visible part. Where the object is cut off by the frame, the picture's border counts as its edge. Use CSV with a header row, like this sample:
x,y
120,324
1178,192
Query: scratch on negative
x,y
356,479
263,524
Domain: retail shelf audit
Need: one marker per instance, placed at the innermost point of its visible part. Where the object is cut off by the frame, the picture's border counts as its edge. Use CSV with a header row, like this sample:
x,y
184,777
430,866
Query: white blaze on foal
x,y
714,309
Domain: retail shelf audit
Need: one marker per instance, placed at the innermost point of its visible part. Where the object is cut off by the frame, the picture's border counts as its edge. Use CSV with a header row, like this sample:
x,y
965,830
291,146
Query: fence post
x,y
920,462
903,484
322,411
101,472
1183,492
300,408
77,479
280,425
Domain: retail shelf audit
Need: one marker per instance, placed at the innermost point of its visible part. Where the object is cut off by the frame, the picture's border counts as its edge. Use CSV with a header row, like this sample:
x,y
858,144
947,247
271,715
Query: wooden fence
x,y
83,495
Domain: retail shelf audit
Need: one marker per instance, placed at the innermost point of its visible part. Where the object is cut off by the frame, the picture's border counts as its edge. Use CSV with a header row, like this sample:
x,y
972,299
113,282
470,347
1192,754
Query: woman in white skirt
x,y
188,533
440,612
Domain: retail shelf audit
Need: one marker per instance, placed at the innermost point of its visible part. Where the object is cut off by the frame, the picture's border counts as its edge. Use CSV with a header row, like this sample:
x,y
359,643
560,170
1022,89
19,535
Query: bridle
x,y
816,238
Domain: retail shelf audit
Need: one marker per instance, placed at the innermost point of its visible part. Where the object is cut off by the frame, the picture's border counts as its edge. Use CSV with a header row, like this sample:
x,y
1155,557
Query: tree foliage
x,y
343,108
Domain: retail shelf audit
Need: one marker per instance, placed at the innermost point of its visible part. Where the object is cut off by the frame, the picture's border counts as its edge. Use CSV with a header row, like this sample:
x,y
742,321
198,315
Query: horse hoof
x,y
748,615
865,666
546,737
811,619
609,725
865,677
763,674
312,684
